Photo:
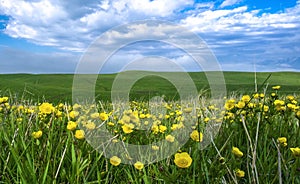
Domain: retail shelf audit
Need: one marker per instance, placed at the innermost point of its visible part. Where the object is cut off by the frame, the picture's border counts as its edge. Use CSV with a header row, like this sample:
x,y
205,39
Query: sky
x,y
52,36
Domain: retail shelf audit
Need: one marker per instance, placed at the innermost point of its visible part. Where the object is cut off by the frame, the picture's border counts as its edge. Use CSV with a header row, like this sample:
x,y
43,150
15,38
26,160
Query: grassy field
x,y
58,87
51,140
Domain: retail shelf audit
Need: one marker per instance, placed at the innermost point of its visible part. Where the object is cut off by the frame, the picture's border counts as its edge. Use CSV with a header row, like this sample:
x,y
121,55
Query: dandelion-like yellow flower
x,y
188,110
162,128
46,108
110,124
103,116
37,134
239,173
240,104
3,99
237,152
90,125
196,136
183,160
115,161
282,141
139,165
246,98
73,114
230,104
170,138
127,128
296,151
276,87
71,125
155,148
79,134
298,114
94,115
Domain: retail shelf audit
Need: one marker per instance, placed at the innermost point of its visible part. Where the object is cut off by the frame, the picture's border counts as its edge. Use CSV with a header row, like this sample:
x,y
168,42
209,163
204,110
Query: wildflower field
x,y
257,141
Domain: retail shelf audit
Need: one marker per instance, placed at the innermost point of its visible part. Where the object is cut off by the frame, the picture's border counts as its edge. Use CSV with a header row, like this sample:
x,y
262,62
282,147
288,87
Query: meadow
x,y
45,138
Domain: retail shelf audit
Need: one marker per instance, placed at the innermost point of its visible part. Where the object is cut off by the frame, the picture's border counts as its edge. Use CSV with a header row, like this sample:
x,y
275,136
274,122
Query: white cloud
x,y
229,3
74,25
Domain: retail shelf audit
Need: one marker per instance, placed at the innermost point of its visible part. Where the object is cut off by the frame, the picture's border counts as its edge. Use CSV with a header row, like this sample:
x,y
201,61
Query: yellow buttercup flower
x,y
246,98
115,161
46,108
4,99
240,104
298,114
196,136
90,125
139,165
239,173
236,151
282,141
71,125
155,148
73,114
183,160
230,104
127,128
296,151
170,138
37,134
162,128
276,87
188,110
79,134
103,116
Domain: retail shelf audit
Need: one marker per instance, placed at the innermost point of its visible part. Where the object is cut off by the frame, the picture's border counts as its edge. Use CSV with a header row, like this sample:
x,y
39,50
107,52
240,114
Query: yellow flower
x,y
188,110
3,99
46,108
95,115
79,134
276,87
162,128
282,141
155,129
90,125
239,173
139,165
37,134
73,114
298,114
240,104
196,136
110,124
236,151
230,104
155,148
170,138
115,161
206,119
103,116
246,98
127,128
266,108
296,151
71,125
183,160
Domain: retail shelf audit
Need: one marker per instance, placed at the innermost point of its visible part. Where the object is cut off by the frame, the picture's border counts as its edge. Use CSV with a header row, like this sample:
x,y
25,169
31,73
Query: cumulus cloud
x,y
229,3
232,32
74,25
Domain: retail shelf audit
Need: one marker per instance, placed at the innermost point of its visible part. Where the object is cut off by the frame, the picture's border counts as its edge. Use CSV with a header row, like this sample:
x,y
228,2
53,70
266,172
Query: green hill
x,y
58,87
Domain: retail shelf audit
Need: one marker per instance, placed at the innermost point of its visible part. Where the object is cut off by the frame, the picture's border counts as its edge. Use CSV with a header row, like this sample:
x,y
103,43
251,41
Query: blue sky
x,y
50,36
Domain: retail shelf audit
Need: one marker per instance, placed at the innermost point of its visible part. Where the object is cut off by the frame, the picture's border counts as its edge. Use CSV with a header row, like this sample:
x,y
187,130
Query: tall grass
x,y
58,156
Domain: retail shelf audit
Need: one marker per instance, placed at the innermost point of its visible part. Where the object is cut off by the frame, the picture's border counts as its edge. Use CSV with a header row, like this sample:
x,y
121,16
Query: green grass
x,y
59,157
58,87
